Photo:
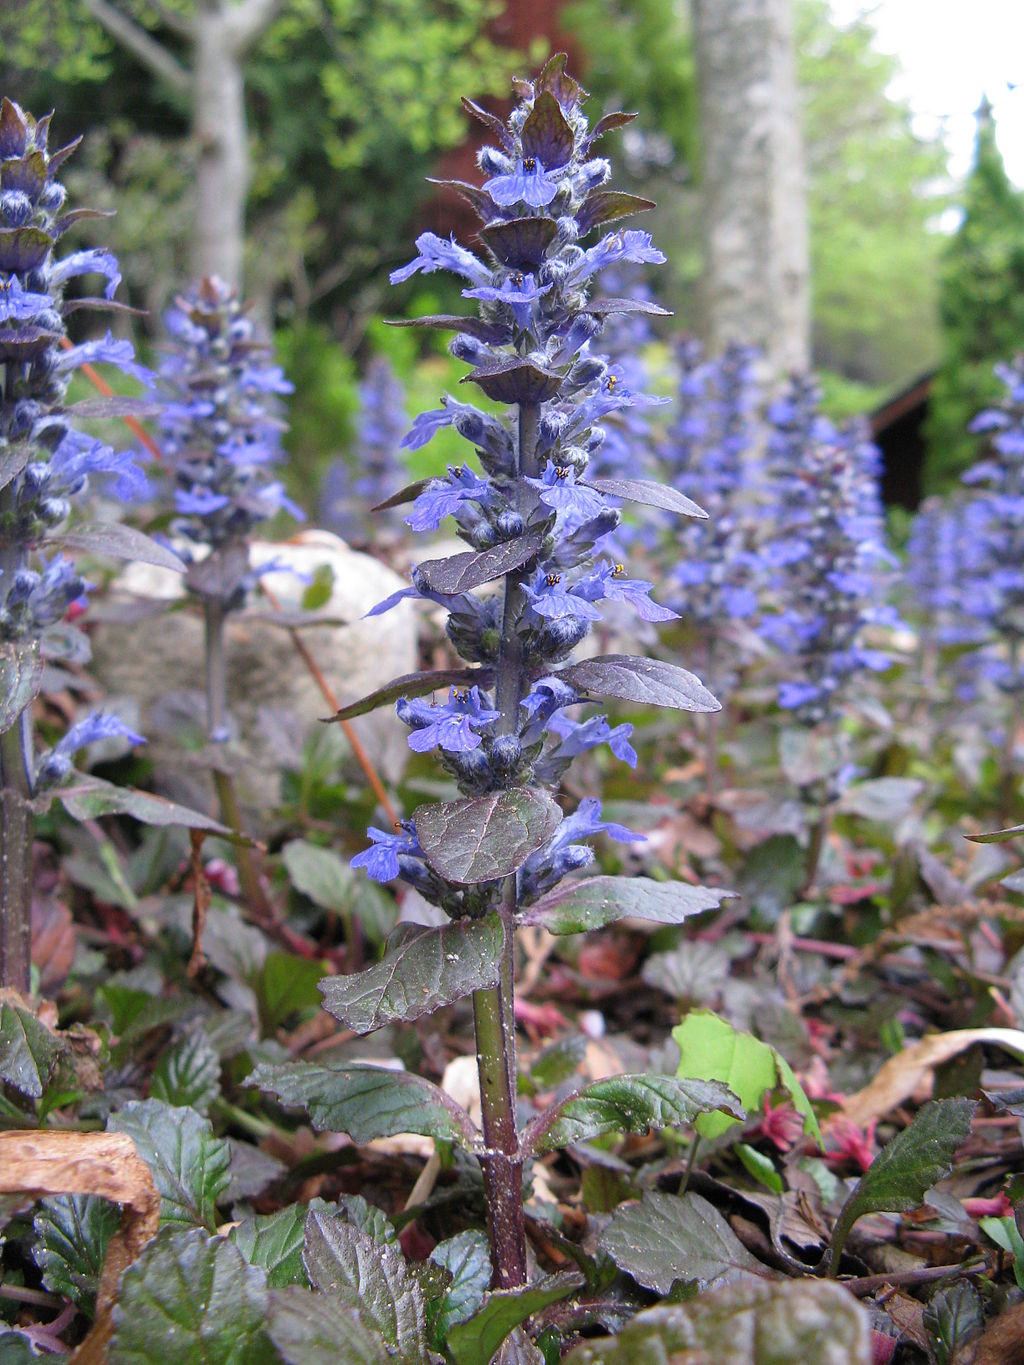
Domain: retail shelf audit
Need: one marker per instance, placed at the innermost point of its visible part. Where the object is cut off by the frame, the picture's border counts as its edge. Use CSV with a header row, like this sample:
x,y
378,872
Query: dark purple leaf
x,y
555,78
514,380
103,305
608,123
366,1102
412,685
488,837
453,322
90,797
422,970
582,906
546,135
23,248
1007,1101
78,216
605,206
602,308
632,678
21,673
463,572
648,492
24,342
13,130
218,575
626,1104
491,121
57,158
27,173
409,493
519,243
115,407
118,541
479,200
13,459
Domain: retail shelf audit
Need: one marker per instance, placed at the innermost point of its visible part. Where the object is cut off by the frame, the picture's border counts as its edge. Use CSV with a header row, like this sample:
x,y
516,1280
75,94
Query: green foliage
x,y
714,1051
755,1322
981,305
274,1242
188,1164
28,1051
475,1341
72,1232
191,1298
903,1172
666,1239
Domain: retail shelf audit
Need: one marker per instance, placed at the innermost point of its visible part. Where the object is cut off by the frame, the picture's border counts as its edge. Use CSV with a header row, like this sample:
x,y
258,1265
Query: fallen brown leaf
x,y
910,1071
104,1164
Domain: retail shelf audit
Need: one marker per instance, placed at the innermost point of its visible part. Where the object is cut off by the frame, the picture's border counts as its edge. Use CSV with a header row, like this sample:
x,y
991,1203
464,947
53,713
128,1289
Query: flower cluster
x,y
537,514
220,423
992,593
712,439
346,495
945,554
824,552
45,461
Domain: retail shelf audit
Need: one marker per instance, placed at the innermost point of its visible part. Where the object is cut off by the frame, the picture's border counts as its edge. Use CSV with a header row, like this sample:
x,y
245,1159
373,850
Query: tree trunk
x,y
757,275
218,122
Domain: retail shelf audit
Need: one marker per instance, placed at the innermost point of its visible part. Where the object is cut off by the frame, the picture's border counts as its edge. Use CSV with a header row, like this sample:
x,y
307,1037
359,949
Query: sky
x,y
951,52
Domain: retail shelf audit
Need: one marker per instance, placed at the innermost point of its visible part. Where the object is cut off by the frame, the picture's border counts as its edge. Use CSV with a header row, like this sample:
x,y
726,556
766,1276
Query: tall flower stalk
x,y
536,523
45,464
826,554
221,432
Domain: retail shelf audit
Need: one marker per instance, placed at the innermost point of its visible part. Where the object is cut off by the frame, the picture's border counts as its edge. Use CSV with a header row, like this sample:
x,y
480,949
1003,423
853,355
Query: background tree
x,y
981,306
756,265
874,187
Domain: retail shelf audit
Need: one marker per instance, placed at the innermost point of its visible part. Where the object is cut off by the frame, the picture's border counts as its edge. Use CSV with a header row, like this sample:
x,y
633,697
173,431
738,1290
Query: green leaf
x,y
476,1340
191,1299
187,1073
905,1170
366,1102
72,1232
135,1012
286,984
320,874
760,1166
188,1164
558,1061
1006,1234
626,1104
886,800
597,901
366,1217
311,1329
666,1238
28,1051
753,1322
343,1261
329,882
274,1241
422,969
488,837
712,1050
952,1318
996,836
21,673
633,678
16,1349
90,797
467,1259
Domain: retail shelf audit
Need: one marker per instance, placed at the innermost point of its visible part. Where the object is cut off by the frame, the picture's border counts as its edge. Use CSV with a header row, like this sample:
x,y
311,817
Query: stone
x,y
156,658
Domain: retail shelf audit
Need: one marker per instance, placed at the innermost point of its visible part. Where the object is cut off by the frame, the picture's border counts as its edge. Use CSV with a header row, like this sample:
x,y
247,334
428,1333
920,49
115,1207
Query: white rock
x,y
273,700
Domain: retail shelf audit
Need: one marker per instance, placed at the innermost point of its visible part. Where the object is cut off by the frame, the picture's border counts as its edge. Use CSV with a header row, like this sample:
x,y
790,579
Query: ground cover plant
x,y
429,1070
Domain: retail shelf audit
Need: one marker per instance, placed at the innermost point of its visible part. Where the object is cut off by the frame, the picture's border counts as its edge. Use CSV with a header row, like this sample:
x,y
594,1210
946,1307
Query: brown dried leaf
x,y
902,1076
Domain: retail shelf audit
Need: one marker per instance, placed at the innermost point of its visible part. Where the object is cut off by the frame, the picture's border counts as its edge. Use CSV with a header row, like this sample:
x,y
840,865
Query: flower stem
x,y
15,858
494,1009
216,727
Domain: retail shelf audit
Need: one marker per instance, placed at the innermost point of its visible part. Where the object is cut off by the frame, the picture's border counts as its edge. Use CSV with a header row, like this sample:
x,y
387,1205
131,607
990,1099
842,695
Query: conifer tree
x,y
981,304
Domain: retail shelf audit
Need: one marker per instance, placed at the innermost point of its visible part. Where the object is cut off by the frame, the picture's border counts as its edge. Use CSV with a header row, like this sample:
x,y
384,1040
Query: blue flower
x,y
609,581
437,254
442,499
95,261
382,858
528,183
55,765
574,502
629,245
451,726
551,597
18,304
114,352
519,291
